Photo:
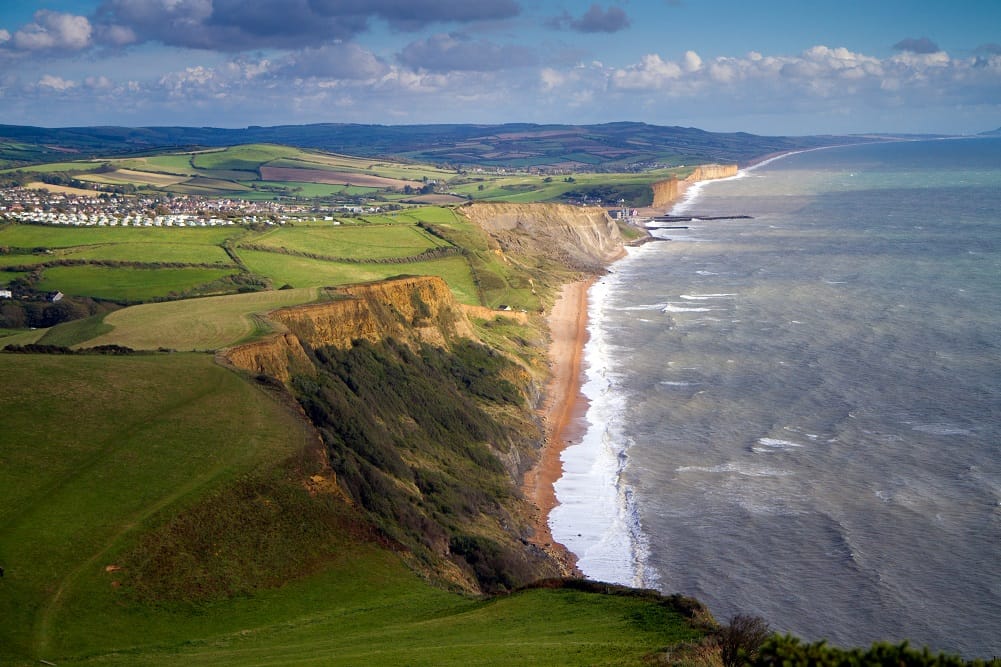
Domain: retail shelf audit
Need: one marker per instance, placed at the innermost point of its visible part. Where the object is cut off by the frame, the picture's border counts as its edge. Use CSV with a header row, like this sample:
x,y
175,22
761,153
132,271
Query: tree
x,y
740,640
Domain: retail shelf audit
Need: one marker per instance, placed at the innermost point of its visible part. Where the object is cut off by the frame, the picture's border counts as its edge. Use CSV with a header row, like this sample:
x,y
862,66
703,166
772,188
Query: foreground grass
x,y
93,448
103,459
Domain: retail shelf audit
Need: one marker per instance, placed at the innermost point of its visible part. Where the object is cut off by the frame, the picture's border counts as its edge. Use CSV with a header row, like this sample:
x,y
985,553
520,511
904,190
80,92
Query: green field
x,y
107,461
363,243
127,284
305,272
46,236
195,324
181,253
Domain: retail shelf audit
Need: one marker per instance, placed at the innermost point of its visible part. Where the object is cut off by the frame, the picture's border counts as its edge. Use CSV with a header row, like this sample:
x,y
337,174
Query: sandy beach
x,y
563,411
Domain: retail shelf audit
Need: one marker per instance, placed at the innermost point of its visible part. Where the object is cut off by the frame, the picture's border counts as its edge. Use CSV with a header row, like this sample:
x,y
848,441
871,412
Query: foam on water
x,y
837,431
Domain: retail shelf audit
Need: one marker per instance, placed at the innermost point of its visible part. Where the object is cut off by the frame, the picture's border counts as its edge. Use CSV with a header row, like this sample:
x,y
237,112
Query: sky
x,y
773,67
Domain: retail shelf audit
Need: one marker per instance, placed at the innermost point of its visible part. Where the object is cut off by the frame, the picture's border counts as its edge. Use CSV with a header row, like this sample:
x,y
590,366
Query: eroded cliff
x,y
668,191
579,238
408,309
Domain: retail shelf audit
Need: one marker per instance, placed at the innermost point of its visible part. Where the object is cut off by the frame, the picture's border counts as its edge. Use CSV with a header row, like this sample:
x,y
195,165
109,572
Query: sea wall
x,y
668,191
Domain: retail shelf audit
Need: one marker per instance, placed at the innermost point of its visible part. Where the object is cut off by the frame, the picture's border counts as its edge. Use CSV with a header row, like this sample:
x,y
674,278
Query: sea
x,y
797,414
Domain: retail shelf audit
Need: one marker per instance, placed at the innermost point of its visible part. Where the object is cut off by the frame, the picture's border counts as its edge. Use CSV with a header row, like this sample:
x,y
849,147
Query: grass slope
x,y
193,324
127,461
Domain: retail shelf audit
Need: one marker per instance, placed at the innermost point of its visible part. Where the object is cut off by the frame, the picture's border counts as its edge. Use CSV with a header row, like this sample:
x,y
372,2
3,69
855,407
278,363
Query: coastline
x,y
562,413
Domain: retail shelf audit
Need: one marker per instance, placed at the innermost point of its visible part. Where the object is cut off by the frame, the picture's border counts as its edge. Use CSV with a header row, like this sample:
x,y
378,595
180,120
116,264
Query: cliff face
x,y
583,239
708,172
412,310
667,192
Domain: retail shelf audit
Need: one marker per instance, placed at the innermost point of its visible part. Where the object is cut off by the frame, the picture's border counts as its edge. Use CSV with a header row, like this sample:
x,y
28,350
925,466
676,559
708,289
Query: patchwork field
x,y
325,176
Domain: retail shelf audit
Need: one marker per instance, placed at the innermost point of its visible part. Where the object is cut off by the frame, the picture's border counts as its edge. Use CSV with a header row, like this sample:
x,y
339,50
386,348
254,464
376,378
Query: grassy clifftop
x,y
158,507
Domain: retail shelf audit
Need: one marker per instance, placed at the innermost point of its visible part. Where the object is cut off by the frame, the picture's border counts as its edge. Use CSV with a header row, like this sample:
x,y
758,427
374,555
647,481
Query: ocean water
x,y
798,416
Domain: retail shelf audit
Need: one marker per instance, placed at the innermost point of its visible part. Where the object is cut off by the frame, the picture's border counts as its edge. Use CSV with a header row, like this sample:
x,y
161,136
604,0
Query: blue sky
x,y
766,67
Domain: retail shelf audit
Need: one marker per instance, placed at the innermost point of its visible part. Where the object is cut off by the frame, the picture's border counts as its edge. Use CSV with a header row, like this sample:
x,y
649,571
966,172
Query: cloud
x,y
341,60
56,83
455,52
594,19
411,15
54,31
237,25
691,62
919,45
652,72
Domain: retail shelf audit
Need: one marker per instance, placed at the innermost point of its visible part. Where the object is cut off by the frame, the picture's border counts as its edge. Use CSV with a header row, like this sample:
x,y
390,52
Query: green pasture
x,y
432,214
357,242
304,272
182,253
127,284
94,448
207,323
242,158
201,185
302,189
24,260
47,236
179,164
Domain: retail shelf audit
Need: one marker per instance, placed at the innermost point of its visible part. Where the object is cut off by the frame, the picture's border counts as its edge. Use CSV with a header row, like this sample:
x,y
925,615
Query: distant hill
x,y
610,146
991,133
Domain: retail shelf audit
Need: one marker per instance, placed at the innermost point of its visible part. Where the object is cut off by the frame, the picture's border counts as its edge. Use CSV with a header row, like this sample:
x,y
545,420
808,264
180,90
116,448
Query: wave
x,y
597,518
705,297
744,469
770,445
674,308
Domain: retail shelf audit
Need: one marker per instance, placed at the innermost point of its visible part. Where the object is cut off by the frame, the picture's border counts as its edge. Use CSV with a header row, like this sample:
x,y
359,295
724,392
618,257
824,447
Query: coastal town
x,y
41,206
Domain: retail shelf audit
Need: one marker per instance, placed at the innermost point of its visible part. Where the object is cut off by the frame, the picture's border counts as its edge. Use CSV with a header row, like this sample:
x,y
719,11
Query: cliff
x,y
410,309
668,191
579,238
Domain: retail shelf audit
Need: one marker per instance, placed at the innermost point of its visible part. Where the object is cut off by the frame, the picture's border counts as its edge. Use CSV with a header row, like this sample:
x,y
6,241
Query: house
x,y
6,294
56,296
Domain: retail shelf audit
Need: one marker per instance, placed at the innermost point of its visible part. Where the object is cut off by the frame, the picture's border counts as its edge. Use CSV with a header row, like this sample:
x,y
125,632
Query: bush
x,y
789,651
740,640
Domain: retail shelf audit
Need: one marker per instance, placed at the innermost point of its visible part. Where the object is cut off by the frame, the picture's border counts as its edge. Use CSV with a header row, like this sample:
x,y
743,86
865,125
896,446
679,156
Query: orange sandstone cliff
x,y
410,309
668,191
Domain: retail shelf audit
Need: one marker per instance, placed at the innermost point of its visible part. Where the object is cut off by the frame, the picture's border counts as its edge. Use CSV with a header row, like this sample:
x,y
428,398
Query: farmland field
x,y
204,324
357,242
125,176
126,284
332,177
304,272
39,236
183,253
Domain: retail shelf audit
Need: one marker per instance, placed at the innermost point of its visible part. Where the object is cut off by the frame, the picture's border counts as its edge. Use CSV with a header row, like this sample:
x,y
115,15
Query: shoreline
x,y
563,413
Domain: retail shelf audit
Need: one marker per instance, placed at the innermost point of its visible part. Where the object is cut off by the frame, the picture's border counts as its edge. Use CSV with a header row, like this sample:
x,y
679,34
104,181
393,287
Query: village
x,y
40,206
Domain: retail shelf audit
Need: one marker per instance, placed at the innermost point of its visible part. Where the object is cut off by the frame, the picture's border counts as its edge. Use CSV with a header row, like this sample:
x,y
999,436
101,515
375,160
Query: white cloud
x,y
56,83
54,31
652,72
98,82
691,62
